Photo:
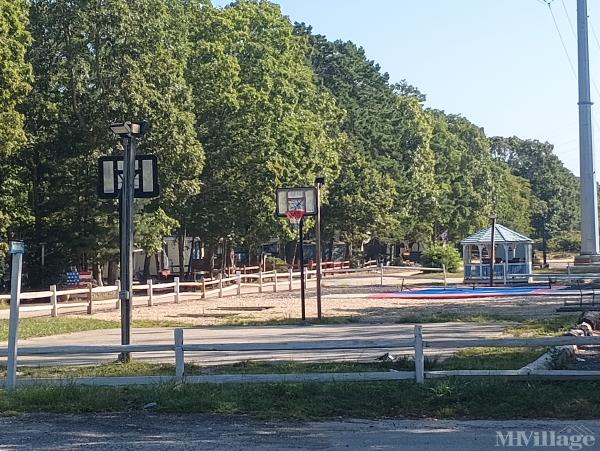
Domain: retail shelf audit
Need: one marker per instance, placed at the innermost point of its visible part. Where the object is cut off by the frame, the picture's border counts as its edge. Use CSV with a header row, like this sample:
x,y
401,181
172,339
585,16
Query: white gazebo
x,y
513,255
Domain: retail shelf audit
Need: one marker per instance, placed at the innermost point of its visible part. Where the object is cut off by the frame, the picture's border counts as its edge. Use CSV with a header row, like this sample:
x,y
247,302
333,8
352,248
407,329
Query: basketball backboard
x,y
110,176
299,198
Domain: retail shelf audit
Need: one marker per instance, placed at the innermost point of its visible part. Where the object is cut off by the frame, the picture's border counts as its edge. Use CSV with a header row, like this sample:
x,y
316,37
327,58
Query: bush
x,y
276,262
438,255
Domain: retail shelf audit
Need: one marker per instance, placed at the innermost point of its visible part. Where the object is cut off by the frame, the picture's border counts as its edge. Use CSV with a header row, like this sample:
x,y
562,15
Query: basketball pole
x,y
302,288
319,182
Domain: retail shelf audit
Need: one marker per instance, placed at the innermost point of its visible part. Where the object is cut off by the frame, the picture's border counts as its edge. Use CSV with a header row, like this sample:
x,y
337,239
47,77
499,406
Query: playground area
x,y
348,300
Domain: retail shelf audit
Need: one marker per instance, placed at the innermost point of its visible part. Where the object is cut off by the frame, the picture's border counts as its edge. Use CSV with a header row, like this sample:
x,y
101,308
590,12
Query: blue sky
x,y
499,63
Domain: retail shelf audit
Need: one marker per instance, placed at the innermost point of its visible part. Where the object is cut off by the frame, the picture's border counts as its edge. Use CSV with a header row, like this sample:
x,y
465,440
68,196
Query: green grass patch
x,y
454,317
555,325
454,398
44,327
488,359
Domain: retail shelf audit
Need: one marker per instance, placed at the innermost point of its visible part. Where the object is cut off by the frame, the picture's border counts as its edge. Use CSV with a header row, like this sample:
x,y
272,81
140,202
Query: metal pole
x,y
127,191
318,249
589,198
13,327
302,282
493,251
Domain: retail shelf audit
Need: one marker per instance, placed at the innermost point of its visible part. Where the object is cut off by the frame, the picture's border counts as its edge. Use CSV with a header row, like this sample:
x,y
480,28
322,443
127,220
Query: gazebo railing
x,y
482,271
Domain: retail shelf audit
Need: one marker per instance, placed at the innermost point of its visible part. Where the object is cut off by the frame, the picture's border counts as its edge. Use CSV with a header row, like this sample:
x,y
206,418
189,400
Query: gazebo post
x,y
505,261
480,247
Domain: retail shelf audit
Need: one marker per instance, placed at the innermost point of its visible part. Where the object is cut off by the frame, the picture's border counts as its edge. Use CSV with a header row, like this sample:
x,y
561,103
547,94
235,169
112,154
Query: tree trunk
x,y
180,246
159,267
146,266
97,274
112,272
330,248
189,270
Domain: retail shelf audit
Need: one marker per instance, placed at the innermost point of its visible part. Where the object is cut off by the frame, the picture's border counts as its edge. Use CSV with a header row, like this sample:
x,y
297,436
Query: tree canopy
x,y
241,102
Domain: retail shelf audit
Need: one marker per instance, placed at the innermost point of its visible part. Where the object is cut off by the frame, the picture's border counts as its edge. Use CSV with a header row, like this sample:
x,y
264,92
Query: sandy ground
x,y
342,298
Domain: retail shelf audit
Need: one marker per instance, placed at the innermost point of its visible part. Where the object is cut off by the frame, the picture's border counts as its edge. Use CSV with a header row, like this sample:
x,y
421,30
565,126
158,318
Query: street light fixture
x,y
129,132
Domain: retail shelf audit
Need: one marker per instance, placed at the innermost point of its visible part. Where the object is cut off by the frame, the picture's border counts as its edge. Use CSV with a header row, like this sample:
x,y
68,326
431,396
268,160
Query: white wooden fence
x,y
417,343
54,300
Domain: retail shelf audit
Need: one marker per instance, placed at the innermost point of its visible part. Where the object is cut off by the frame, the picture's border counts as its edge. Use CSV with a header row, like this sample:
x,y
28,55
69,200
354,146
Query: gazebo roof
x,y
502,235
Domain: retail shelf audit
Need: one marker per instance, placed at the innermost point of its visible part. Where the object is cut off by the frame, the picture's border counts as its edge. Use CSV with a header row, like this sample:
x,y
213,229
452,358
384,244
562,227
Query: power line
x,y
594,34
569,19
562,41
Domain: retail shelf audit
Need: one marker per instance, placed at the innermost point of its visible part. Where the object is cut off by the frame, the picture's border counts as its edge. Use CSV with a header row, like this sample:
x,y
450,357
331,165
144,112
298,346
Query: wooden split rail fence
x,y
417,343
91,298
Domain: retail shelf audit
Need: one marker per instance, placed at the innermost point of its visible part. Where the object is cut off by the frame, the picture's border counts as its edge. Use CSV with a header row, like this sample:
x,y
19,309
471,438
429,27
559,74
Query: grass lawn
x,y
43,327
453,398
551,326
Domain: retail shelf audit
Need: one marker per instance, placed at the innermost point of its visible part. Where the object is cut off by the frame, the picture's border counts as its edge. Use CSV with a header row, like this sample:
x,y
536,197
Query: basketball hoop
x,y
295,216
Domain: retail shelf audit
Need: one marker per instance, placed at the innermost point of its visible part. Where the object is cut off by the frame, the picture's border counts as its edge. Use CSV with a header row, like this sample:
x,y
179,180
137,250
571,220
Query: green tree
x,y
362,201
387,124
151,228
96,62
15,78
15,73
556,188
262,119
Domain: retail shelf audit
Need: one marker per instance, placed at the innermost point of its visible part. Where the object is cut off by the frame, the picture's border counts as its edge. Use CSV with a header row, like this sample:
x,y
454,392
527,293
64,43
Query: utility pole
x,y
589,199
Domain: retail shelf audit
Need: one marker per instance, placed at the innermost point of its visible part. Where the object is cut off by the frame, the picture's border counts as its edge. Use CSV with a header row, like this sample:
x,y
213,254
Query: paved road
x,y
199,432
346,333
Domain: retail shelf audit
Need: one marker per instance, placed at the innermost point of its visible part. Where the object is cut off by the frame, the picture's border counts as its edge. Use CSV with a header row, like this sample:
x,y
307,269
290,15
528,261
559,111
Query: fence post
x,y
275,281
446,279
381,273
419,357
203,287
149,293
220,285
290,271
569,272
176,287
89,299
239,282
260,280
54,299
179,355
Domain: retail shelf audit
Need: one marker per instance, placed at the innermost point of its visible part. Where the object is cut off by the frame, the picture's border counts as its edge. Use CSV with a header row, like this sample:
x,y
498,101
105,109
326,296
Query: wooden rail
x,y
417,343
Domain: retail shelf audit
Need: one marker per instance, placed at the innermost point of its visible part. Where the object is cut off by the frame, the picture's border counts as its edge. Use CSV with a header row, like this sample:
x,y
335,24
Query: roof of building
x,y
502,235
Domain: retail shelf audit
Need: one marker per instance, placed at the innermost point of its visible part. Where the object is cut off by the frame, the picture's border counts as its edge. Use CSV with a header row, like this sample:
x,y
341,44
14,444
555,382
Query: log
x,y
591,318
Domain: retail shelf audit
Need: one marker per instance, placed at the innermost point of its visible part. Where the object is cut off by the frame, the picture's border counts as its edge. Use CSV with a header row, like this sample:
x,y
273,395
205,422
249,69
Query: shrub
x,y
438,255
276,262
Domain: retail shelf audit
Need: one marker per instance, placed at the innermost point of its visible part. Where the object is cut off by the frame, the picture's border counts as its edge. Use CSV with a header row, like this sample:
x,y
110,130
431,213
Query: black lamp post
x,y
129,132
